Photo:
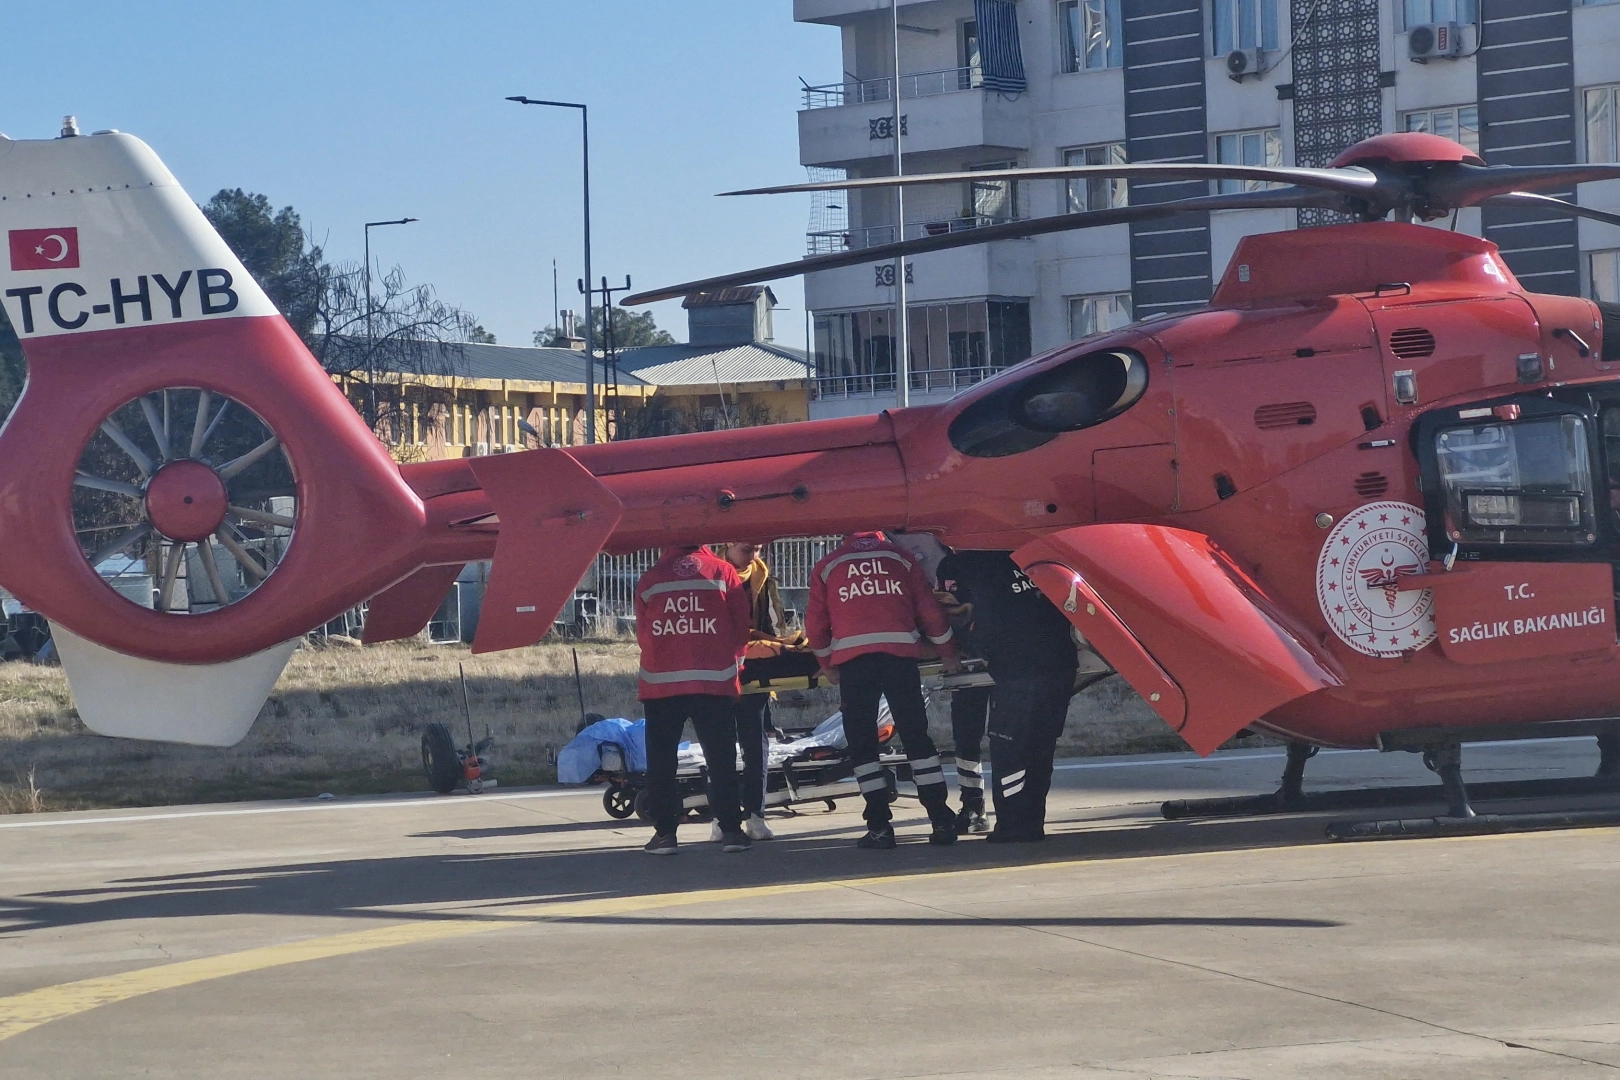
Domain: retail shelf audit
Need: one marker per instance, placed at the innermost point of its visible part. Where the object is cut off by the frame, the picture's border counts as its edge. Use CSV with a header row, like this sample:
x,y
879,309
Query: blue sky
x,y
363,111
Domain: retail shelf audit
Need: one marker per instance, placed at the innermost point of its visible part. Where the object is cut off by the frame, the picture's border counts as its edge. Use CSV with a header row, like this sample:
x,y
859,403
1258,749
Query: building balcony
x,y
1001,268
855,239
838,11
933,382
844,124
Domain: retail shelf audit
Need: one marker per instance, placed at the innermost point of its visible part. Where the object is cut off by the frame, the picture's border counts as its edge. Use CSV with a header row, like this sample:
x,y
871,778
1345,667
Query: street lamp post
x,y
590,349
371,341
902,335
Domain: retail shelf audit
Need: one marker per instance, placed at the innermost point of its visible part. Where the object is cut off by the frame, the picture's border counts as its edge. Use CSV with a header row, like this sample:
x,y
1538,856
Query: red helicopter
x,y
1366,497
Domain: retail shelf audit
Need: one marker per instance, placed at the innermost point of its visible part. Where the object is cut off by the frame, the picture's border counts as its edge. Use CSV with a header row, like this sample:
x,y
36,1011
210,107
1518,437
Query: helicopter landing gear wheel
x,y
619,802
184,500
440,760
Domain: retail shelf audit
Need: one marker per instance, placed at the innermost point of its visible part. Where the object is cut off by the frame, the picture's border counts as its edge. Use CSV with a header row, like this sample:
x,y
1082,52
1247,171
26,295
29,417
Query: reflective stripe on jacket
x,y
692,620
869,596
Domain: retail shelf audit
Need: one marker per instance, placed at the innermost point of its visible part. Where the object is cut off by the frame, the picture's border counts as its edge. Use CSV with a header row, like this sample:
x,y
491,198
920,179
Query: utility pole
x,y
902,333
610,351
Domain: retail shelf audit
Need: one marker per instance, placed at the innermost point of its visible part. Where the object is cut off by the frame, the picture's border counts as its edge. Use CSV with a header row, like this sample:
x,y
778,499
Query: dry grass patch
x,y
348,720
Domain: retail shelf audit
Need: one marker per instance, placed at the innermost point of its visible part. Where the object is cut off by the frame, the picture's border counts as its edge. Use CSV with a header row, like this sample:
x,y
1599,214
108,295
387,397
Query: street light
x,y
590,350
371,341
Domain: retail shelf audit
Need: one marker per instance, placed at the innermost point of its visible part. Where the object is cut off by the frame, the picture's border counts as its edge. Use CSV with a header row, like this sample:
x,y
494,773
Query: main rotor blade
x,y
1557,206
1351,181
1458,184
1013,230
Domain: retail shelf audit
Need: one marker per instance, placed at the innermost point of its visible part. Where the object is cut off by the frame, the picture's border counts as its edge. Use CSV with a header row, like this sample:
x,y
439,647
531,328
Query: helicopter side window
x,y
1517,483
1074,395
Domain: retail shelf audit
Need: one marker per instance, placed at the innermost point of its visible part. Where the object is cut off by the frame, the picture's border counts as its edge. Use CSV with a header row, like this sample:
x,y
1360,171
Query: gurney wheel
x,y
643,805
619,802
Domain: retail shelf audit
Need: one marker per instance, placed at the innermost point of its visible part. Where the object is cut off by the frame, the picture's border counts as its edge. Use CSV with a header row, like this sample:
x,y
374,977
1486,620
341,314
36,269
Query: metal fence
x,y
613,579
919,84
926,380
828,242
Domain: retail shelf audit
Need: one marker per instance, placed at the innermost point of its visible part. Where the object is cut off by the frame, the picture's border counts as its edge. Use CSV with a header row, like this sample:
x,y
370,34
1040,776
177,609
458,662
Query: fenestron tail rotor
x,y
184,501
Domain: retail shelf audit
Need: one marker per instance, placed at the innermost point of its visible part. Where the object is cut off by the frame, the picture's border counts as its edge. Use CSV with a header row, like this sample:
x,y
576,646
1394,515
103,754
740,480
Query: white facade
x,y
1075,282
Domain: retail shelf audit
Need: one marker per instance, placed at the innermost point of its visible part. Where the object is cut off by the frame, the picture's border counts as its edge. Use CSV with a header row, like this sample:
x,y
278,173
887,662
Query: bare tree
x,y
384,345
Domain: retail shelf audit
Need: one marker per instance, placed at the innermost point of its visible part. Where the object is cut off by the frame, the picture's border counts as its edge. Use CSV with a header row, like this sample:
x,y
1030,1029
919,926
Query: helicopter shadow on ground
x,y
481,885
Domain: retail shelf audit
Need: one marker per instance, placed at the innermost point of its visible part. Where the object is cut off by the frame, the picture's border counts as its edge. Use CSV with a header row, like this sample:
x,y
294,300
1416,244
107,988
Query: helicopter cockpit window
x,y
1077,394
1517,483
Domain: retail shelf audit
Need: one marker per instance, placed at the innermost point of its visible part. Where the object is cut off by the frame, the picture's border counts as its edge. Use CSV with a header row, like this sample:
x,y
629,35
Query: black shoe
x,y
943,834
735,840
971,819
1007,836
661,844
877,838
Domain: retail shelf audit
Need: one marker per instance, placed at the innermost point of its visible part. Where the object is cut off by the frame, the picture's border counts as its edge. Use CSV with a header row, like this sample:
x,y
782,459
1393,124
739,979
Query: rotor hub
x,y
186,501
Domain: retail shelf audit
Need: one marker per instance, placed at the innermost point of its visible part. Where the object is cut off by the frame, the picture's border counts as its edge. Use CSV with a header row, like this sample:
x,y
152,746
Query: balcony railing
x,y
933,380
856,239
920,84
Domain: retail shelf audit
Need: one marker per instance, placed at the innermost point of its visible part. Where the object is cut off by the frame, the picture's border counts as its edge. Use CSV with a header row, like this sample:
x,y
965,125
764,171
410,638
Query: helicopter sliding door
x,y
1519,518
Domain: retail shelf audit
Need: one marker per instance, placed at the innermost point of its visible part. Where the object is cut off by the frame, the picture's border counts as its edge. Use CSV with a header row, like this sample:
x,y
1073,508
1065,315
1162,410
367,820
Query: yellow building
x,y
466,399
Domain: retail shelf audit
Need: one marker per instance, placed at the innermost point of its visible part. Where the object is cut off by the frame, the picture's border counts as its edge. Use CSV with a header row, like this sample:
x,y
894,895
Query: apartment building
x,y
993,83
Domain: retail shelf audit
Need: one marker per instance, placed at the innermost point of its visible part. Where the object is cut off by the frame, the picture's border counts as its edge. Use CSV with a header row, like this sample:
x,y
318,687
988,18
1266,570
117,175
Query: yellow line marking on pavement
x,y
32,1008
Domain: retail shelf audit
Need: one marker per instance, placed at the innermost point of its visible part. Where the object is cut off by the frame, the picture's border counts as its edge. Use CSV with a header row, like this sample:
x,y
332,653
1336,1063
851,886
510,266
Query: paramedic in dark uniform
x,y
970,705
1033,660
871,617
692,625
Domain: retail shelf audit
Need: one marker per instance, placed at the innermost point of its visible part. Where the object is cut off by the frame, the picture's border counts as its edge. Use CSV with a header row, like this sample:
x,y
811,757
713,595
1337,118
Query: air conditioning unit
x,y
1431,41
1241,63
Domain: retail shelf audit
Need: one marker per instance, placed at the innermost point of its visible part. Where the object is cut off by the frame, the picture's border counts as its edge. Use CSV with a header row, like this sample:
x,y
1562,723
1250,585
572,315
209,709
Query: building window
x,y
975,335
1097,193
1418,12
971,71
1606,276
1098,314
1093,34
992,201
1601,106
1262,147
1245,24
1460,124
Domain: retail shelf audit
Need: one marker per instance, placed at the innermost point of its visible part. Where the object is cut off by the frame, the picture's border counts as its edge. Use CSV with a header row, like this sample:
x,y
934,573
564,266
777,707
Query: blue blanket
x,y
582,756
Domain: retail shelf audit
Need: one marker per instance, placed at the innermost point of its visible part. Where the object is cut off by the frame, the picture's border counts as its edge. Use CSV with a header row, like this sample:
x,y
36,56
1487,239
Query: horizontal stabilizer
x,y
404,608
555,516
201,704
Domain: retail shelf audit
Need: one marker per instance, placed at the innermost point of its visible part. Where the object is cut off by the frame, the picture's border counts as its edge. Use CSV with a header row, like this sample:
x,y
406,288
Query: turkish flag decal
x,y
44,249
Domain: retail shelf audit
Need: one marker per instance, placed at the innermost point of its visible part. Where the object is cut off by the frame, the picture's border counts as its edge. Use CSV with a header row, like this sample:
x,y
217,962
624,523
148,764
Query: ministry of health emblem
x,y
1362,579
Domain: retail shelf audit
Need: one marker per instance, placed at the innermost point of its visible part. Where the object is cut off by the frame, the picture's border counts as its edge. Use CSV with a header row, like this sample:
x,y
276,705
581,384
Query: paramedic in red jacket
x,y
692,622
872,616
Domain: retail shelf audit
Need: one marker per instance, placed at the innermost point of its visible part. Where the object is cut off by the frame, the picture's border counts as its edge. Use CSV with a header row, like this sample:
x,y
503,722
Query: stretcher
x,y
809,766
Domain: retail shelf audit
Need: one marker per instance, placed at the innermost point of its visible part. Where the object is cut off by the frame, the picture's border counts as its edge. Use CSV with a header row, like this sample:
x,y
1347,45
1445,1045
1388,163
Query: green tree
x,y
479,336
274,248
631,330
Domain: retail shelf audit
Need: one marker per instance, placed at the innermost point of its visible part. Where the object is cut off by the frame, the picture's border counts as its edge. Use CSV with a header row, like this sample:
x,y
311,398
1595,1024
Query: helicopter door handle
x,y
1585,349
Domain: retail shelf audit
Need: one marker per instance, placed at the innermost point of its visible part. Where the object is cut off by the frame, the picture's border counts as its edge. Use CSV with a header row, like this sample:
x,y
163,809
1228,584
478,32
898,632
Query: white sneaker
x,y
756,828
716,834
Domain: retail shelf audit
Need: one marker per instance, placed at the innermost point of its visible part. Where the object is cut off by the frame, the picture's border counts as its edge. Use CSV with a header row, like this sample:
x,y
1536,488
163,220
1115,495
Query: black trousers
x,y
861,682
1026,718
753,721
714,719
970,709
